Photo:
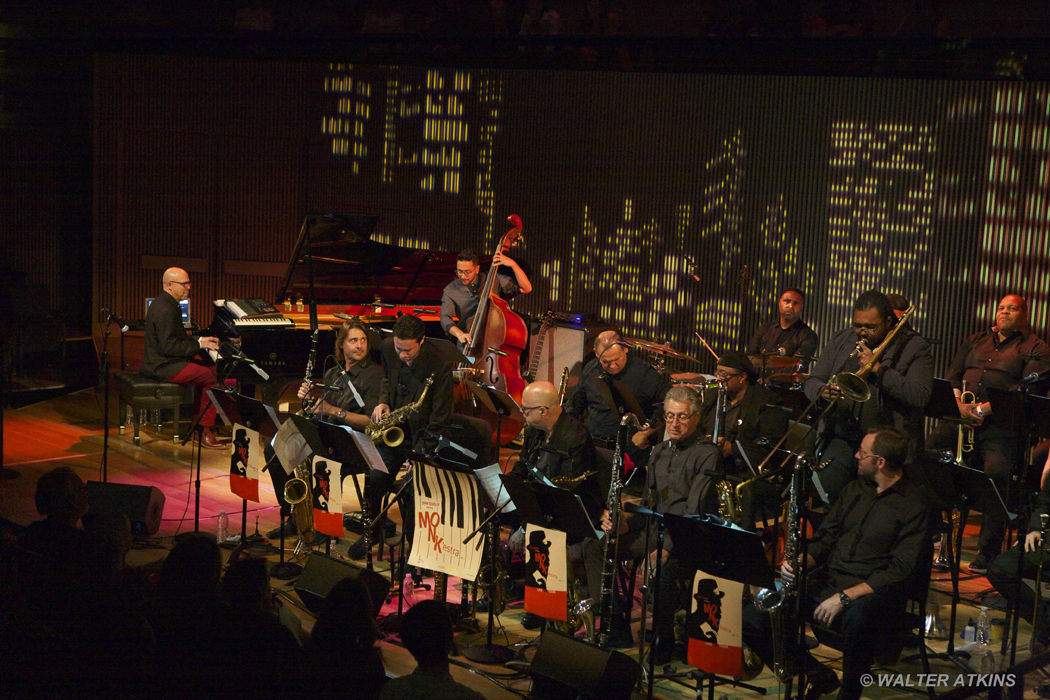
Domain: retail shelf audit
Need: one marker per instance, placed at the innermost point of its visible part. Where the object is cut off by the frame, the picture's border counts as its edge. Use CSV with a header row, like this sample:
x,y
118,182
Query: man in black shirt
x,y
998,359
460,298
787,334
171,355
615,377
558,447
868,548
900,383
359,381
408,362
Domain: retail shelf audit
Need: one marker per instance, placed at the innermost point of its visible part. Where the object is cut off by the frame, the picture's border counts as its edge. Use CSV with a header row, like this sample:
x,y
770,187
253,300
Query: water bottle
x,y
223,533
408,588
984,627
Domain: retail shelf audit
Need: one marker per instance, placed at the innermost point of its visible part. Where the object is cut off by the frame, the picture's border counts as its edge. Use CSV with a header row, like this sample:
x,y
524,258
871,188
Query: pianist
x,y
460,298
170,355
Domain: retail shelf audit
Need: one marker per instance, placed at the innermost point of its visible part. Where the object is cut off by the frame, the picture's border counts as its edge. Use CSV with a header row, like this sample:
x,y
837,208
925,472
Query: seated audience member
x,y
426,630
344,659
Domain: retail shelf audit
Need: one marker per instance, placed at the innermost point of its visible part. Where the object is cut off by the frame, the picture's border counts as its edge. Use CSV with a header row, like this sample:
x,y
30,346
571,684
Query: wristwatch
x,y
845,599
342,413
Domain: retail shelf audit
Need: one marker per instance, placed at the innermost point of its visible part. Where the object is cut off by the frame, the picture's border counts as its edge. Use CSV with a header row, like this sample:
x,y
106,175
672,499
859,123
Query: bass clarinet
x,y
612,538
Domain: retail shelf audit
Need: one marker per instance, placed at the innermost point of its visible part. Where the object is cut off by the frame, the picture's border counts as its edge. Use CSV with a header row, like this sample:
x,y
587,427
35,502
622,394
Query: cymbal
x,y
805,358
796,378
664,349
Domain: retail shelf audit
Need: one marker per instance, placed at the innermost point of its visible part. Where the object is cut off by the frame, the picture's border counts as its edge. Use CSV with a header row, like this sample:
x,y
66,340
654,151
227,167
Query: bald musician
x,y
610,376
557,446
170,355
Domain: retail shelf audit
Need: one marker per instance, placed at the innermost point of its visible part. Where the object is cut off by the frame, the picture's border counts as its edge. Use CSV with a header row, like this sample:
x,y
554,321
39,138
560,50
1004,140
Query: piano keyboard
x,y
264,322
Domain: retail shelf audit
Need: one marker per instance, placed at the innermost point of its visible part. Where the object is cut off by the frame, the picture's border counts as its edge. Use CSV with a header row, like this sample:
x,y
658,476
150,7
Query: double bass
x,y
498,336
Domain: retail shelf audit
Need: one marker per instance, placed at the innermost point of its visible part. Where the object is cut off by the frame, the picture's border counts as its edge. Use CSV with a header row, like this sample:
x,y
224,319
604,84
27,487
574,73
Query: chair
x,y
142,393
914,618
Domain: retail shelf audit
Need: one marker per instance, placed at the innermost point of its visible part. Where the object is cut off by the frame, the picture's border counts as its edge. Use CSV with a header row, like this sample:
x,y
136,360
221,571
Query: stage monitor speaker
x,y
144,505
322,572
566,667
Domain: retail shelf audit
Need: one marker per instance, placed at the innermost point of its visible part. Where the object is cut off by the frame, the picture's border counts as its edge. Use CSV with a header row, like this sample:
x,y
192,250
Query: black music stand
x,y
954,485
235,409
499,402
349,448
550,506
716,547
448,351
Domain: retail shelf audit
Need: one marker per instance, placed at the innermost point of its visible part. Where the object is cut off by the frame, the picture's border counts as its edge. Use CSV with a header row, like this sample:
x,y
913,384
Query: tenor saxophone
x,y
387,430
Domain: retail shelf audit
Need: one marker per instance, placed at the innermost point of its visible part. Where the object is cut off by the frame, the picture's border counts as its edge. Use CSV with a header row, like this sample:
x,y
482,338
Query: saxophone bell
x,y
297,494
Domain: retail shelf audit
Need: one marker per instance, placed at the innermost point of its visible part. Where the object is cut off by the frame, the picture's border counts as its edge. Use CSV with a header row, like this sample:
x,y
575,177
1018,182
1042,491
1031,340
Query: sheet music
x,y
493,486
290,446
368,449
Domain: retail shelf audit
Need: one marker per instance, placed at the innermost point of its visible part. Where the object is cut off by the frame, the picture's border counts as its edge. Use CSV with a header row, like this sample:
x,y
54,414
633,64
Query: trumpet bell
x,y
854,387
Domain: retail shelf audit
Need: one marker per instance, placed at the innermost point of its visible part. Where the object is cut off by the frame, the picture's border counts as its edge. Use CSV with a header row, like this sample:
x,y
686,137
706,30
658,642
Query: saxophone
x,y
386,431
728,503
780,604
612,539
298,495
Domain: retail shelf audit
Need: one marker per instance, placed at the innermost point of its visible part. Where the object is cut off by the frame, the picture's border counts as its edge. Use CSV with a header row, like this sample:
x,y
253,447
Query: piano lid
x,y
350,268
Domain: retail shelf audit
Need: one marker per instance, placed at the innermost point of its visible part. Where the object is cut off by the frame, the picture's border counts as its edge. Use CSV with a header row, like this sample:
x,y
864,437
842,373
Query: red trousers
x,y
201,376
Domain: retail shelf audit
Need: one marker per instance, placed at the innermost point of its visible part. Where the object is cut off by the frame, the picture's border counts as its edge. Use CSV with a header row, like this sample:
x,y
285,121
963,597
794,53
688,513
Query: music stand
x,y
356,454
448,351
499,402
550,506
711,545
235,409
953,485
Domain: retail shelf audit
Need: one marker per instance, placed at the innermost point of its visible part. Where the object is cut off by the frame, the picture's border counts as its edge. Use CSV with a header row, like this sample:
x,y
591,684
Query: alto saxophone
x,y
386,431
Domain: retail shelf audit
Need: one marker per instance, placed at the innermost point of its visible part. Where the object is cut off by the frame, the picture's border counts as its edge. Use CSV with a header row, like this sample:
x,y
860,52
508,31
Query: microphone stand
x,y
104,369
392,622
489,652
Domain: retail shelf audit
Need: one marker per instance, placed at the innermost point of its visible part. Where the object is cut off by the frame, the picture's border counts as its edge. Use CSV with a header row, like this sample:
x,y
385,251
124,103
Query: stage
x,y
68,431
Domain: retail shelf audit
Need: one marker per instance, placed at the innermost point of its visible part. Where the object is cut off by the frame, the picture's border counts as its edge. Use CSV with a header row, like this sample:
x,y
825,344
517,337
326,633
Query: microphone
x,y
497,352
113,318
235,353
1035,377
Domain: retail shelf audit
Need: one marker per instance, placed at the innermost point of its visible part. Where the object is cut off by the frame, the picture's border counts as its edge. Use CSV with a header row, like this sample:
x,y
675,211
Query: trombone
x,y
854,385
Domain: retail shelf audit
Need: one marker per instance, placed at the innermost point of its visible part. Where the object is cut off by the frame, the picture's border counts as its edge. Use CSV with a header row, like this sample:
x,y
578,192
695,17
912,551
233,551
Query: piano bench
x,y
140,393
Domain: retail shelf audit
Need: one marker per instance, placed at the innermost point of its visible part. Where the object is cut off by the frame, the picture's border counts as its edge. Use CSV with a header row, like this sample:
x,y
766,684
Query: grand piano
x,y
336,262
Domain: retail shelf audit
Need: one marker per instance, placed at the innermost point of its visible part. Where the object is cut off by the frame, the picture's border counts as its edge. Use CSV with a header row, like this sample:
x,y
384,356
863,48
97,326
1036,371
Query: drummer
x,y
785,336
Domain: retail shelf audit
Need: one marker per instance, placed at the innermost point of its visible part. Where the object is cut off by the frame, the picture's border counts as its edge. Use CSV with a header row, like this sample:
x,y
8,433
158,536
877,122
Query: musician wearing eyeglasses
x,y
787,334
682,474
170,355
612,384
559,448
900,382
868,549
996,359
460,298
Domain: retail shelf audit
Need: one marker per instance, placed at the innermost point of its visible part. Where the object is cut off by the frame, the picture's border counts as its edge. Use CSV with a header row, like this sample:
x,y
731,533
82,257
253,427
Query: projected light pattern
x,y
347,128
1015,250
437,127
880,206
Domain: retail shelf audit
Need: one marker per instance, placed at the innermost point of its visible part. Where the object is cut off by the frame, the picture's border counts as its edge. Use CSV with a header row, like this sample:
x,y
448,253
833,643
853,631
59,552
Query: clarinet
x,y
308,401
612,539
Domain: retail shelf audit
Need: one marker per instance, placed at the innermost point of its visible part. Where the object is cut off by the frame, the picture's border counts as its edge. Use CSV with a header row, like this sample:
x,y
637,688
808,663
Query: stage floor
x,y
68,431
